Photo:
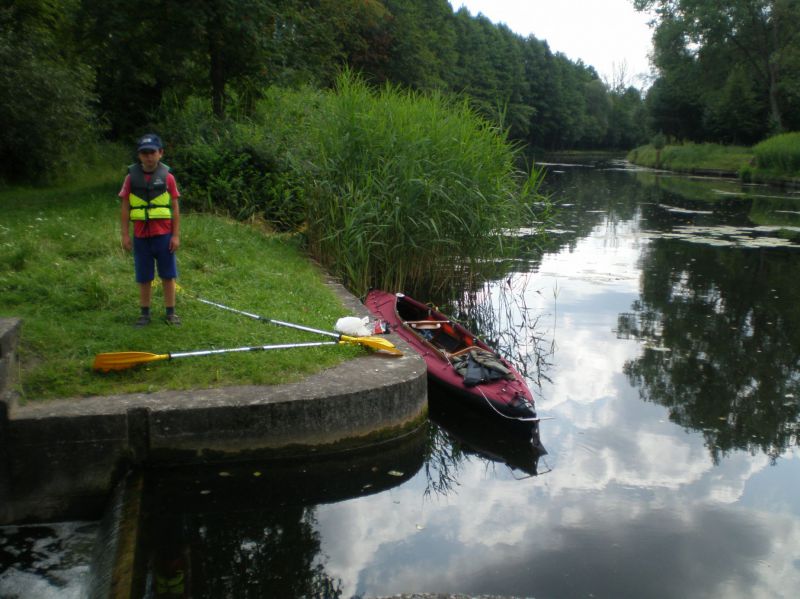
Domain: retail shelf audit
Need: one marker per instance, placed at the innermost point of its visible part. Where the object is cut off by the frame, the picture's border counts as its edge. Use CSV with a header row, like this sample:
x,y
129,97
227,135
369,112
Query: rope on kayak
x,y
491,405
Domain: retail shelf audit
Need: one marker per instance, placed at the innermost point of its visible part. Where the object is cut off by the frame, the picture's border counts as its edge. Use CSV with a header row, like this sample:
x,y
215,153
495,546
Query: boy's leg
x,y
144,304
168,286
168,271
145,271
145,294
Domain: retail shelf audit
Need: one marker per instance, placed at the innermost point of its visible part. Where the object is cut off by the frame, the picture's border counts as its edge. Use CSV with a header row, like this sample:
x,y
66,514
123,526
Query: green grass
x,y
63,271
690,157
779,154
776,159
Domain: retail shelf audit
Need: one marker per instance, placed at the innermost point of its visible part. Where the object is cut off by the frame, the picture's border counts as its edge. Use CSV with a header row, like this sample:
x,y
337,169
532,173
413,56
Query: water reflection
x,y
630,520
722,343
250,529
461,432
237,554
633,506
46,561
710,290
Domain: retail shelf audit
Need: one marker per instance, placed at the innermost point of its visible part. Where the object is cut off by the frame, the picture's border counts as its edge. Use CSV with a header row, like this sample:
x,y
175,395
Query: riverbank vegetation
x,y
389,188
692,157
409,191
68,75
63,271
779,156
775,160
724,77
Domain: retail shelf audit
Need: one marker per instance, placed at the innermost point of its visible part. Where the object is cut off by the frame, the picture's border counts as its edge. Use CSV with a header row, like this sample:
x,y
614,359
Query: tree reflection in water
x,y
249,529
722,343
232,554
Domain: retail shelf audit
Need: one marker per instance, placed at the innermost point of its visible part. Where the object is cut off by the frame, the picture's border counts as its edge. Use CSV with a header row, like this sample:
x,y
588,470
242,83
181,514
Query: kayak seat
x,y
447,342
424,324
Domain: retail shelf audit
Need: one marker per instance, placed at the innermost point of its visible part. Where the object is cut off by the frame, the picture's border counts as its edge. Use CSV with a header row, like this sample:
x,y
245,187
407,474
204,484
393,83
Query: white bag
x,y
353,326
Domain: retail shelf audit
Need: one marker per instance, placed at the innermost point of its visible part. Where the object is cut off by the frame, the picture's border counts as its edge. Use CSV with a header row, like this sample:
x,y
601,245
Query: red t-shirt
x,y
157,226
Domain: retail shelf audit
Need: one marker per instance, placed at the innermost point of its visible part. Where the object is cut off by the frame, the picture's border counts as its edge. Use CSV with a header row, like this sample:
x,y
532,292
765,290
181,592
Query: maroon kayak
x,y
455,357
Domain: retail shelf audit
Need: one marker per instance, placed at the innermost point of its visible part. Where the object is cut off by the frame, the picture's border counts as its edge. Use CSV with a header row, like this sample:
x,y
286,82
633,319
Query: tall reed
x,y
408,191
780,154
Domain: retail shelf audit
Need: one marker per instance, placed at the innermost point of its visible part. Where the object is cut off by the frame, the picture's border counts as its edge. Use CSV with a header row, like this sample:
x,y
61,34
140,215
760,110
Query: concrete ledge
x,y
62,457
9,337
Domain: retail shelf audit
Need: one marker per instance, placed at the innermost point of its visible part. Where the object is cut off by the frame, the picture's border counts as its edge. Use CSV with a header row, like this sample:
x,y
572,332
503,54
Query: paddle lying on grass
x,y
376,343
128,359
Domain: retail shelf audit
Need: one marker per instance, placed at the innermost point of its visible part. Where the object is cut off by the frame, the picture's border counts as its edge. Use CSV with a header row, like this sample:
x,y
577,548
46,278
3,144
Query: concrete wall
x,y
59,459
9,334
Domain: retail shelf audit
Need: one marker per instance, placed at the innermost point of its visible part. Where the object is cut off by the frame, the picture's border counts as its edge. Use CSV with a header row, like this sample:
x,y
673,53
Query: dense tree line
x,y
76,68
727,72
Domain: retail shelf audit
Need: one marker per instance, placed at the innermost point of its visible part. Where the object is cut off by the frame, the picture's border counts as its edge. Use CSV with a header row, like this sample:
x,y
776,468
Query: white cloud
x,y
655,493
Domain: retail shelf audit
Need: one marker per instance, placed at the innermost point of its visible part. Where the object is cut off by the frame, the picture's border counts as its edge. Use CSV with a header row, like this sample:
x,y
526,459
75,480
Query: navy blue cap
x,y
149,141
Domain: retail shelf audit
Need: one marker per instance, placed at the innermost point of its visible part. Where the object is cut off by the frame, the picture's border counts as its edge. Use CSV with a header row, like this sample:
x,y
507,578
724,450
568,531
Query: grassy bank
x,y
63,271
776,159
691,157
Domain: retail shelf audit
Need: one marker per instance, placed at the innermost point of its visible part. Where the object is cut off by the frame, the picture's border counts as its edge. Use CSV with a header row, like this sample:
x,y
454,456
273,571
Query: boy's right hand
x,y
126,243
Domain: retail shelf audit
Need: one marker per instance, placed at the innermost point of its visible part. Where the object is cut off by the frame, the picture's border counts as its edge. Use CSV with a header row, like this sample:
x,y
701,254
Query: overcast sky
x,y
605,34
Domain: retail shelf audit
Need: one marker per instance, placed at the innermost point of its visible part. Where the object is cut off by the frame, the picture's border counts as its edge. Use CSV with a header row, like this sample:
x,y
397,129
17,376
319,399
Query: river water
x,y
661,334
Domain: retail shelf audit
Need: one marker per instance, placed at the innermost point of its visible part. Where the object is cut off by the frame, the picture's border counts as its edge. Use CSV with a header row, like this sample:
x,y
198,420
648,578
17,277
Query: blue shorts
x,y
149,251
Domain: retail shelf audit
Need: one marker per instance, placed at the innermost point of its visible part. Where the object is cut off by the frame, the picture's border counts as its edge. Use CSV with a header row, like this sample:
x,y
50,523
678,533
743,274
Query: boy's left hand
x,y
174,244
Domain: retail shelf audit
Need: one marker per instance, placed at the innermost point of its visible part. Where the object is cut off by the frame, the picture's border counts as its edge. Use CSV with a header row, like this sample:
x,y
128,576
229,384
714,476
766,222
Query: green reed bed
x,y
407,190
776,159
390,188
689,157
63,271
779,154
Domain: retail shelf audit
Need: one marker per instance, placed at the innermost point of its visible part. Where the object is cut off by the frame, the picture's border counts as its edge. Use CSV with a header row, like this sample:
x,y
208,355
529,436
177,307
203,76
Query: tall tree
x,y
46,103
627,120
422,55
759,36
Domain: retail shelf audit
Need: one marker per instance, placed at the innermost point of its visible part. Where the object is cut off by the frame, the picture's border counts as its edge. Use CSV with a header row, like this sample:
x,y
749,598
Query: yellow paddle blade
x,y
375,343
157,283
124,359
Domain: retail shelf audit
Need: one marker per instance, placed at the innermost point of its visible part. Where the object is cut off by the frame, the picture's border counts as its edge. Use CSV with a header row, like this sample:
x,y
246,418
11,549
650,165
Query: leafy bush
x,y
45,104
231,167
780,154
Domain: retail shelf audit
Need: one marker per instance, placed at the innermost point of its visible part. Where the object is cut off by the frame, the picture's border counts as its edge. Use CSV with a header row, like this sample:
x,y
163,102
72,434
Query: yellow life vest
x,y
149,199
171,585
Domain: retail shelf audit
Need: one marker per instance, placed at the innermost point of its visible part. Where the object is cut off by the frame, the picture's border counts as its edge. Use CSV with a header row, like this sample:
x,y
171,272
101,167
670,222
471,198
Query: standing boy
x,y
150,200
